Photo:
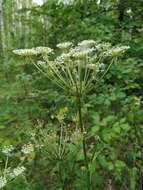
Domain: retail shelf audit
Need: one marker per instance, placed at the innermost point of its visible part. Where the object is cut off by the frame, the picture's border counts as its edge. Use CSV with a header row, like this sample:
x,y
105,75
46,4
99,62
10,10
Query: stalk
x,y
60,175
83,141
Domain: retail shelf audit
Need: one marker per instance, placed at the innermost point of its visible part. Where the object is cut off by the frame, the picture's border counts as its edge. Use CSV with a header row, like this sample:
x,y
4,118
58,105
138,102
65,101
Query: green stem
x,y
83,141
6,164
60,176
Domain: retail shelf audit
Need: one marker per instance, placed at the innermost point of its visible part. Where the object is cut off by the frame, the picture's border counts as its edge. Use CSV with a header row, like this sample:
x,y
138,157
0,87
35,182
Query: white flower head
x,y
25,52
64,45
80,52
102,46
17,171
43,50
33,51
76,66
3,182
13,173
66,2
63,57
117,50
7,149
86,43
27,148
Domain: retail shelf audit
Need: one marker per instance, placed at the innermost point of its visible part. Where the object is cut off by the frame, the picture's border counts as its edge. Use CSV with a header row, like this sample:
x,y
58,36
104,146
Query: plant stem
x,y
6,164
83,141
60,175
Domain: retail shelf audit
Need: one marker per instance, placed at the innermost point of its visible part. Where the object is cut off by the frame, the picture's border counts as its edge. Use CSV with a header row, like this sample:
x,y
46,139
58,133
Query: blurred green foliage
x,y
113,112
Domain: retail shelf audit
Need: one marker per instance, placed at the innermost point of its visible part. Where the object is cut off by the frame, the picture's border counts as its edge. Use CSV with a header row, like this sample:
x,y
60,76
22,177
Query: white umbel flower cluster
x,y
7,149
25,52
10,174
102,46
81,52
86,43
66,2
3,182
27,148
43,50
77,53
17,171
117,50
33,51
77,67
63,57
64,45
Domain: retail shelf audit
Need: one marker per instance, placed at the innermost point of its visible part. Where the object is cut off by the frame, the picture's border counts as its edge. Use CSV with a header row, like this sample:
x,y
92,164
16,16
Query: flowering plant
x,y
9,173
76,69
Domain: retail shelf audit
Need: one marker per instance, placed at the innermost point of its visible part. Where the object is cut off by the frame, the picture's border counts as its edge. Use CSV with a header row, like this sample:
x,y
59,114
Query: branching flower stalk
x,y
83,140
76,69
9,174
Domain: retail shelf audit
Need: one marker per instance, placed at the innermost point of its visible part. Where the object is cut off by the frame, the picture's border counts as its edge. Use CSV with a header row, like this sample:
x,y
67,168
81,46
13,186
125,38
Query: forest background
x,y
114,110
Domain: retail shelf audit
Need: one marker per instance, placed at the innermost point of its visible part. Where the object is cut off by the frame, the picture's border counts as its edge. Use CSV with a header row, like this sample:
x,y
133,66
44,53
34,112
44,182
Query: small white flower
x,y
129,11
64,45
3,182
7,149
98,2
27,148
42,63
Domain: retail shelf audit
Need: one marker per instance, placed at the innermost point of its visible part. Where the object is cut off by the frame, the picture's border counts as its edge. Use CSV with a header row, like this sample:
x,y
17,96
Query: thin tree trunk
x,y
121,7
